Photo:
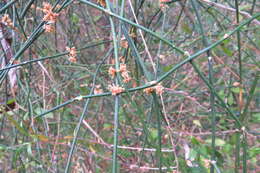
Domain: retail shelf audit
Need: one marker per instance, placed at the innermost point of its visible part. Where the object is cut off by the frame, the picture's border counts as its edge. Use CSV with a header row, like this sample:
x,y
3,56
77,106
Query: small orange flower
x,y
115,89
98,89
7,21
102,2
72,51
124,73
126,77
122,59
46,7
72,59
149,90
159,89
123,68
72,54
48,28
49,16
16,62
112,72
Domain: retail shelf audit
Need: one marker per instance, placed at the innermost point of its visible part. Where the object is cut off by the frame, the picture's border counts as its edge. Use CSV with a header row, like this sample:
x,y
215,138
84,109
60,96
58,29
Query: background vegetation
x,y
130,86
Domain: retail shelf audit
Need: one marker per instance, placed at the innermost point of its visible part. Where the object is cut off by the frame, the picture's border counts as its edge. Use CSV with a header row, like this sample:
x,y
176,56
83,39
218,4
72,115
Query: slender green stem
x,y
91,45
244,115
83,115
160,79
7,5
237,154
116,126
117,97
244,147
223,104
27,7
76,132
159,132
212,97
133,24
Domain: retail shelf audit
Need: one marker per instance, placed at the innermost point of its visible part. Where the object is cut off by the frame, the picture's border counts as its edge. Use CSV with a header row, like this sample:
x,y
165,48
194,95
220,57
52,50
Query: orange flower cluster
x,y
72,54
159,89
49,16
123,70
115,89
48,28
112,72
163,4
7,21
102,3
125,73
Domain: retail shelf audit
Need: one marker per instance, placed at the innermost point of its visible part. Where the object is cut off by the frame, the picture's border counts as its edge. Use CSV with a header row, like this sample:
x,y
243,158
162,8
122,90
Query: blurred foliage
x,y
168,132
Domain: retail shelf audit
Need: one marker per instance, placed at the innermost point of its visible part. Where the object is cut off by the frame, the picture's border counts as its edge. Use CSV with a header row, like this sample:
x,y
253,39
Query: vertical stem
x,y
159,133
240,100
244,145
212,97
76,132
237,152
116,122
83,115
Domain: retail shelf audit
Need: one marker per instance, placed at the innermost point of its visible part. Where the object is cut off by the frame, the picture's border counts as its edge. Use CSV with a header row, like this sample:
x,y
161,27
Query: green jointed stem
x,y
117,97
212,96
160,79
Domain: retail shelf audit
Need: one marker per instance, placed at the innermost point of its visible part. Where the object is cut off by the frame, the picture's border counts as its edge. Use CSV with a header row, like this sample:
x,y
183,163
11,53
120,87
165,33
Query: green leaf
x,y
198,169
195,141
154,134
230,99
10,101
167,68
236,90
107,126
227,51
256,118
219,142
221,94
253,152
227,148
193,154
